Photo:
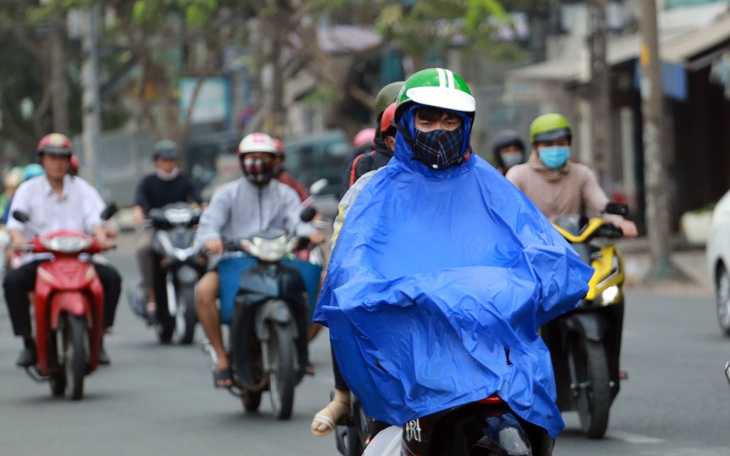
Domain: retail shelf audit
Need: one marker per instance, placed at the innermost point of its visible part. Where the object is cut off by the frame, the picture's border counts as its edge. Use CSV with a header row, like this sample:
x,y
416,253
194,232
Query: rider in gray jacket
x,y
253,203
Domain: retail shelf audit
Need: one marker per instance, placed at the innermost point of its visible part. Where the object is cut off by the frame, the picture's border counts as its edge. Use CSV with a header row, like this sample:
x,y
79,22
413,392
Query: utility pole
x,y
600,88
655,156
90,101
57,72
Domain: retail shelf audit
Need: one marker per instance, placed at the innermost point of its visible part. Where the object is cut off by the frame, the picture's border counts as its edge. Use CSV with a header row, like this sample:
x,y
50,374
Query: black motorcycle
x,y
585,343
268,331
180,266
352,435
483,428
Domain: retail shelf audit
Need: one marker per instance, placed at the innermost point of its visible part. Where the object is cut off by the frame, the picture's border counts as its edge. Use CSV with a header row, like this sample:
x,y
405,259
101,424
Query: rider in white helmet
x,y
237,210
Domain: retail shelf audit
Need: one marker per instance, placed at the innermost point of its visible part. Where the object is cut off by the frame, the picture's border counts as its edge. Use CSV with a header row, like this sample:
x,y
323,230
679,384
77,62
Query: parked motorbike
x,y
486,427
585,343
181,265
268,331
69,308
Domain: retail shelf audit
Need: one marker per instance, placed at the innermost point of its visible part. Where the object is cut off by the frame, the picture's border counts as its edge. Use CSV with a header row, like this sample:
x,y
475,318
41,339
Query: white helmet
x,y
257,142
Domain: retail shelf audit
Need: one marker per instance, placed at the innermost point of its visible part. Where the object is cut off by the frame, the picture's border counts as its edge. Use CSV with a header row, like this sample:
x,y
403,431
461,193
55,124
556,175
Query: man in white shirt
x,y
52,202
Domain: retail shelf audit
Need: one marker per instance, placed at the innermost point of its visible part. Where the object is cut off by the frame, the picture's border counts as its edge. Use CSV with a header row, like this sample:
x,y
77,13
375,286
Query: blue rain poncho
x,y
436,290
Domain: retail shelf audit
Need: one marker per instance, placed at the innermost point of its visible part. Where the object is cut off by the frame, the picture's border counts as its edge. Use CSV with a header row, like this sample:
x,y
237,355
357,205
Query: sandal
x,y
309,369
335,412
223,378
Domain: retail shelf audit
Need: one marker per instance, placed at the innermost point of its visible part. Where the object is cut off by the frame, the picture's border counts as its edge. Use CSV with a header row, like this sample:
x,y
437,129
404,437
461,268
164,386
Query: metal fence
x,y
122,158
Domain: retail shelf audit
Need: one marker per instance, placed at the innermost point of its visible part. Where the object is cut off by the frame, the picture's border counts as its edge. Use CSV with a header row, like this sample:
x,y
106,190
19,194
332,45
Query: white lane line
x,y
628,437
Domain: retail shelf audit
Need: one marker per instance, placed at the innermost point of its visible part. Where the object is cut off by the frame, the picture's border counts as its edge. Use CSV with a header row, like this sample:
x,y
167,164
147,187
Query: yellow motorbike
x,y
585,343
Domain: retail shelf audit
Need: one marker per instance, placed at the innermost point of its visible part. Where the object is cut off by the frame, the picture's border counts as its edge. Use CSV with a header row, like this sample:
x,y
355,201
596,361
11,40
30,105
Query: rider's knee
x,y
207,288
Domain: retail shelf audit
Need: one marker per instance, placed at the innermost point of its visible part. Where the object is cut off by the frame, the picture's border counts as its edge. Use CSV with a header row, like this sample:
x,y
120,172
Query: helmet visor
x,y
442,97
552,135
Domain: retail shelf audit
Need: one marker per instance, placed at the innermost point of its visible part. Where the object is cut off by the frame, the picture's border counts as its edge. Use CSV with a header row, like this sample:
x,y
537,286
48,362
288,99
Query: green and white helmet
x,y
437,87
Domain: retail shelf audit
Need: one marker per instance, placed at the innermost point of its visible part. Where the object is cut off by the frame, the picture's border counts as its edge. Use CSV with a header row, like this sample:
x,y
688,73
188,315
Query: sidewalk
x,y
690,259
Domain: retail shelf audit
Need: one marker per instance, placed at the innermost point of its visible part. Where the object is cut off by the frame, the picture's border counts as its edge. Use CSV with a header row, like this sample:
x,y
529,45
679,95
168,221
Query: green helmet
x,y
386,96
437,87
549,127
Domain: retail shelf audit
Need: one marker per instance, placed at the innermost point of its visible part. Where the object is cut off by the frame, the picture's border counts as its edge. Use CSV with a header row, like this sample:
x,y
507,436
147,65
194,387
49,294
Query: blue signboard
x,y
213,103
674,80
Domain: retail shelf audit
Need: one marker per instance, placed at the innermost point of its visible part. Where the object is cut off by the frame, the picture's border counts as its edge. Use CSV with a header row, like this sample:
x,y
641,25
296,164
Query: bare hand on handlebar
x,y
316,237
629,228
214,246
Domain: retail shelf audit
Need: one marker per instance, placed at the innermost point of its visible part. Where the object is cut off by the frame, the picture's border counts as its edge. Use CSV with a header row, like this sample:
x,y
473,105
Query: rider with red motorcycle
x,y
54,201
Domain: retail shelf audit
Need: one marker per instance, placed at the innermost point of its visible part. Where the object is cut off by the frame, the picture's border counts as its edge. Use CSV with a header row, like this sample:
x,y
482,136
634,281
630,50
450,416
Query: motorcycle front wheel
x,y
186,317
590,385
57,379
722,300
282,375
75,344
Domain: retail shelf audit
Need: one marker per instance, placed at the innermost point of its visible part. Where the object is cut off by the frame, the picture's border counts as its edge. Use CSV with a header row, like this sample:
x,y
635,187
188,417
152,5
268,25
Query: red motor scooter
x,y
69,308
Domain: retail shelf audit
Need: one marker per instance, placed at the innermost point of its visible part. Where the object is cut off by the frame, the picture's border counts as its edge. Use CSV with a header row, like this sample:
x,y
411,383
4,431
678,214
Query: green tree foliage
x,y
39,85
431,26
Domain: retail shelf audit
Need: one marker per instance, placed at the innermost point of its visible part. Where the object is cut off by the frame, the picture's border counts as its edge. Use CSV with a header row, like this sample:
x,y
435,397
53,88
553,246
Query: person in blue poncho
x,y
442,274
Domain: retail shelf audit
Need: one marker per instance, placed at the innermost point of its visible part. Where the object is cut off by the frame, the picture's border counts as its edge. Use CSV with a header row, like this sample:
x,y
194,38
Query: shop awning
x,y
680,50
699,48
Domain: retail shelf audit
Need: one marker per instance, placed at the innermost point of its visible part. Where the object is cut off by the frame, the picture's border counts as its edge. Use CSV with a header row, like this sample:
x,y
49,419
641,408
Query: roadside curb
x,y
689,258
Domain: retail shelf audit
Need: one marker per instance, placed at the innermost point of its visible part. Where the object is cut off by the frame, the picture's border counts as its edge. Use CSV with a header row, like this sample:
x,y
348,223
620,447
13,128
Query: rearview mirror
x,y
109,211
317,186
20,216
308,214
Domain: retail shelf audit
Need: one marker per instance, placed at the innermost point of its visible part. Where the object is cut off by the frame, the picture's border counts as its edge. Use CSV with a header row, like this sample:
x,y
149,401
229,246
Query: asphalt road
x,y
159,400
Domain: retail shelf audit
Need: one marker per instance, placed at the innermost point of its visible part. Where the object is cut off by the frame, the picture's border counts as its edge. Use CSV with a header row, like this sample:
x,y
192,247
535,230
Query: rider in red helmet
x,y
55,201
377,154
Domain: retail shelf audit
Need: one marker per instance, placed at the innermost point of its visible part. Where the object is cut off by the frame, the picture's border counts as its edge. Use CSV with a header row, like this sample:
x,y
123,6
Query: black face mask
x,y
439,149
258,170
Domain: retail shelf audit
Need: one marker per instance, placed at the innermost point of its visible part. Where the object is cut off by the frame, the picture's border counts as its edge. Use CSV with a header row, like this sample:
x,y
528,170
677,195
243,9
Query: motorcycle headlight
x,y
268,249
184,254
610,295
67,244
178,216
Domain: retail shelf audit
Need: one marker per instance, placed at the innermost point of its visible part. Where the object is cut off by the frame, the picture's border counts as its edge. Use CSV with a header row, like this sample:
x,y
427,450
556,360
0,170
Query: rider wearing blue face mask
x,y
557,185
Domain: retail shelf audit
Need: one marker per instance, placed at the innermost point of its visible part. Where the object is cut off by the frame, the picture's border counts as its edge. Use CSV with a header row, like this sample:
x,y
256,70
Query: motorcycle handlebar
x,y
609,230
232,246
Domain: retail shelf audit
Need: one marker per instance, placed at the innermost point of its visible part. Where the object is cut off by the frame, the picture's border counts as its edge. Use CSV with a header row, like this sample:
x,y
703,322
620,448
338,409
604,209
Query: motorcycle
x,y
69,308
352,435
486,427
182,264
268,330
585,343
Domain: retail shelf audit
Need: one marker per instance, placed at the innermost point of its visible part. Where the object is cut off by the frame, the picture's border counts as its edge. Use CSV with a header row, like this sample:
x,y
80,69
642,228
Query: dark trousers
x,y
339,381
19,282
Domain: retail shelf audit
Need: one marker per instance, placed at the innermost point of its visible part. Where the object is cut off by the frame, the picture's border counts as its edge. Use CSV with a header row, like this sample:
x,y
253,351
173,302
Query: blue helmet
x,y
33,170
